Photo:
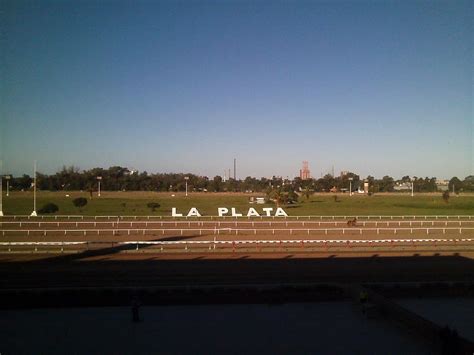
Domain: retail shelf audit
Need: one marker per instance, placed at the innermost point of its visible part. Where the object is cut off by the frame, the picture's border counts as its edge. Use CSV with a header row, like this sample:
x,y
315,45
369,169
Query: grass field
x,y
135,203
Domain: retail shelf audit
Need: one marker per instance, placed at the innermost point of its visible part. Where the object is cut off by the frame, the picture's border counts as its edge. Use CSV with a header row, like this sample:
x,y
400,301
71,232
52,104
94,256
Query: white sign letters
x,y
224,211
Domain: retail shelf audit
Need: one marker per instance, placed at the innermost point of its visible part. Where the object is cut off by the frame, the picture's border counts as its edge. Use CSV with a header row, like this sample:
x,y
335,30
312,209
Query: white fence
x,y
286,223
236,231
362,217
211,244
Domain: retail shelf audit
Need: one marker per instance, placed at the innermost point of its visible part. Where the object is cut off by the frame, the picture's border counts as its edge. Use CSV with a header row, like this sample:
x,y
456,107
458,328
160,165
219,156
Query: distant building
x,y
128,172
305,174
344,173
402,186
442,185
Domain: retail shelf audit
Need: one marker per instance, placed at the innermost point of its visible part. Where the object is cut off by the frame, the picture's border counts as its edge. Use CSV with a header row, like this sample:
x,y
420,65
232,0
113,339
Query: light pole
x,y
99,178
1,191
8,177
34,214
186,178
412,183
350,186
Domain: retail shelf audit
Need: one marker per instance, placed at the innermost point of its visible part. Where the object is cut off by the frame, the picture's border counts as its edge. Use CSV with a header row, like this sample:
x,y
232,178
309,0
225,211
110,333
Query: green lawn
x,y
134,203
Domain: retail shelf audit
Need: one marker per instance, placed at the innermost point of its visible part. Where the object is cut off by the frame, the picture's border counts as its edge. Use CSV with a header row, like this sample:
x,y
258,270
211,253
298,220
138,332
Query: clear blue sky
x,y
374,87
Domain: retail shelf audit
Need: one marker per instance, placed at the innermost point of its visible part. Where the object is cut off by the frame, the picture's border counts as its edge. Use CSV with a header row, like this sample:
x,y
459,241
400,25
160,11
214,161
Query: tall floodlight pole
x,y
186,178
1,191
235,169
8,177
34,214
99,178
350,186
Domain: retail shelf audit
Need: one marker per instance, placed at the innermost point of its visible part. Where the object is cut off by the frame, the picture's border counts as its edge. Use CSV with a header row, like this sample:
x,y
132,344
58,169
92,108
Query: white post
x,y
186,178
34,214
350,186
412,182
1,191
8,177
99,178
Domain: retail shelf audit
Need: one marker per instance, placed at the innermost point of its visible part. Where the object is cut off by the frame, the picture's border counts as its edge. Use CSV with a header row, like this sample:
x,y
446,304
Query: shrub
x,y
291,197
446,196
153,205
49,208
80,202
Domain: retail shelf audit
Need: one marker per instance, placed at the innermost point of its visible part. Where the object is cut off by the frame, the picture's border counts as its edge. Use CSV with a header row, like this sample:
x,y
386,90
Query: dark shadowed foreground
x,y
220,302
109,268
317,328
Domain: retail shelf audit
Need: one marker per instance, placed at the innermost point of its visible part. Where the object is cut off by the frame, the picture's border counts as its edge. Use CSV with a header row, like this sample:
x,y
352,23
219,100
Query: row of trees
x,y
117,178
81,202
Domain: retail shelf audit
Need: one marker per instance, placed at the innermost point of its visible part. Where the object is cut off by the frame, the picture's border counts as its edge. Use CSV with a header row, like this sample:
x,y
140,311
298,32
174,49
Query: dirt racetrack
x,y
138,252
380,234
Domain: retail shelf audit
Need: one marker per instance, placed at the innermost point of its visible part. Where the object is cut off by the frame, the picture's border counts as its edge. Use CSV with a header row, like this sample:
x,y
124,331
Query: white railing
x,y
235,231
235,243
37,244
322,217
419,223
296,241
41,243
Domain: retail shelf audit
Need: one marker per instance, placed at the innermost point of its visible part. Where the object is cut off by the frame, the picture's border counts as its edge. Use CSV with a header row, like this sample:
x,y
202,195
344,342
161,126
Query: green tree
x,y
49,208
22,183
386,184
291,197
468,183
326,182
276,195
428,185
153,206
79,202
216,184
307,192
446,196
406,178
455,184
